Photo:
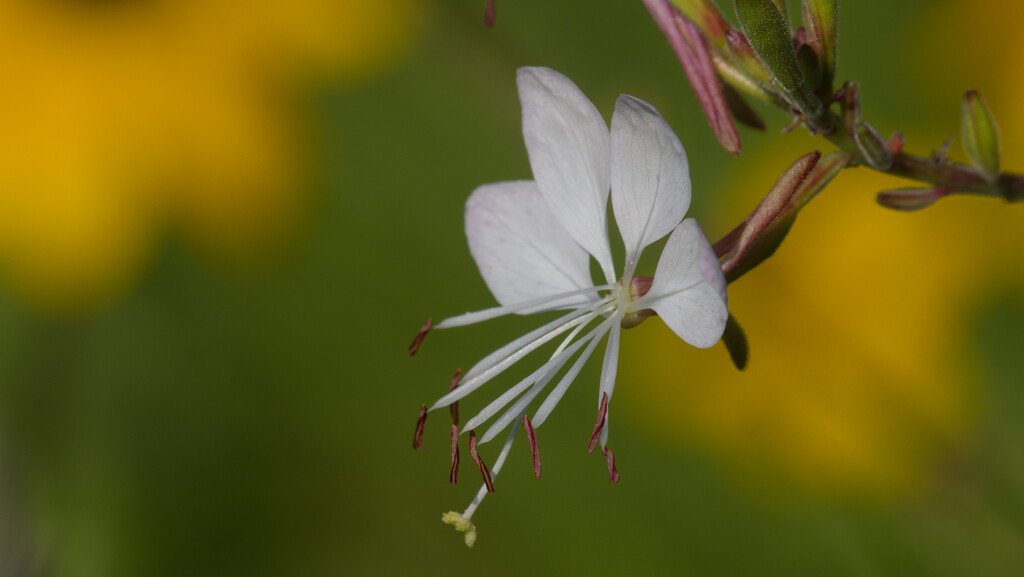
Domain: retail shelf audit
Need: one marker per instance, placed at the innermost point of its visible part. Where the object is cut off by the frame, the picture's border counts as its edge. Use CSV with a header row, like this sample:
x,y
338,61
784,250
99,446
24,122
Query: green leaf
x,y
769,35
980,135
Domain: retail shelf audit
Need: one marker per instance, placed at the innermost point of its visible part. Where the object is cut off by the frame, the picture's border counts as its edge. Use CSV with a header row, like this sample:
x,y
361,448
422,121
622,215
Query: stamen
x,y
541,377
416,342
519,407
489,14
417,440
533,445
454,407
453,476
498,464
488,314
462,525
601,413
559,391
613,474
548,332
480,462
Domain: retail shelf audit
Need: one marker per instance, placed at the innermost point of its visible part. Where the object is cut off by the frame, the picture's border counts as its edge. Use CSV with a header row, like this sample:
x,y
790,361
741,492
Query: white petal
x,y
567,141
522,252
650,176
688,291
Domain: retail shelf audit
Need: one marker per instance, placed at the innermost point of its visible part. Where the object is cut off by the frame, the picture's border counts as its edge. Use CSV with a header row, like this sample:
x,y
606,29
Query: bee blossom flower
x,y
533,241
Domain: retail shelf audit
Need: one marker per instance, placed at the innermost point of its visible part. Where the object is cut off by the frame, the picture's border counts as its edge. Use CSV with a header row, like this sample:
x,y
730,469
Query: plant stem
x,y
955,177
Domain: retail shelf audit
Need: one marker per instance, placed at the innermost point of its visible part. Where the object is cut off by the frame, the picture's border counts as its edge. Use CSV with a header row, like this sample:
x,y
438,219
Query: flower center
x,y
638,287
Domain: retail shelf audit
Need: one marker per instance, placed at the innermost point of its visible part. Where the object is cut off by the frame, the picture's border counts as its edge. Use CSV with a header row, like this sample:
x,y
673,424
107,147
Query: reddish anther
x,y
533,445
416,342
417,440
613,474
454,407
453,477
601,413
480,462
489,14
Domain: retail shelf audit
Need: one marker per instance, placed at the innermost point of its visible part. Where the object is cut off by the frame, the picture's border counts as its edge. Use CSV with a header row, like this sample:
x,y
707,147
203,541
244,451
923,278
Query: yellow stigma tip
x,y
462,525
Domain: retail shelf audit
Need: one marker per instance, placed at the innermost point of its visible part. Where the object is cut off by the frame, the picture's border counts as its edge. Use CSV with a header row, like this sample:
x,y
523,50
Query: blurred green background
x,y
215,382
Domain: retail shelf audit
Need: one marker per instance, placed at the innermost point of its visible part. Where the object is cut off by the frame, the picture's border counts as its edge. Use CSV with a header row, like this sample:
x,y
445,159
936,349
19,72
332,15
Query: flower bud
x,y
821,18
822,174
756,239
980,135
691,48
911,199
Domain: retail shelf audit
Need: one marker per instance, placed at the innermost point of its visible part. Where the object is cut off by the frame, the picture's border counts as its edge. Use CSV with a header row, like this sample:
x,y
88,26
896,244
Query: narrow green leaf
x,y
980,135
769,35
821,17
783,8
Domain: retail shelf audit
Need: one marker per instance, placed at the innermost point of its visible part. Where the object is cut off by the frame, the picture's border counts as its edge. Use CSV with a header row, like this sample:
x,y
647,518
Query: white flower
x,y
533,240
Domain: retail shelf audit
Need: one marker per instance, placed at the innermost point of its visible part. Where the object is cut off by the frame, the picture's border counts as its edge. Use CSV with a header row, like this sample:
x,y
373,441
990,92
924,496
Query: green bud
x,y
810,65
822,20
980,135
910,199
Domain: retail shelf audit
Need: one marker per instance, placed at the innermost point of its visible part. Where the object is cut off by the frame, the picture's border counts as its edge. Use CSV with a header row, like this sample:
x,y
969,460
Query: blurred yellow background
x,y
220,226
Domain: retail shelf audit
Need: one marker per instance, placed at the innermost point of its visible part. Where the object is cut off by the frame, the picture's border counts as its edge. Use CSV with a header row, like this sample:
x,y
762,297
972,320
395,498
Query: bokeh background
x,y
220,226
